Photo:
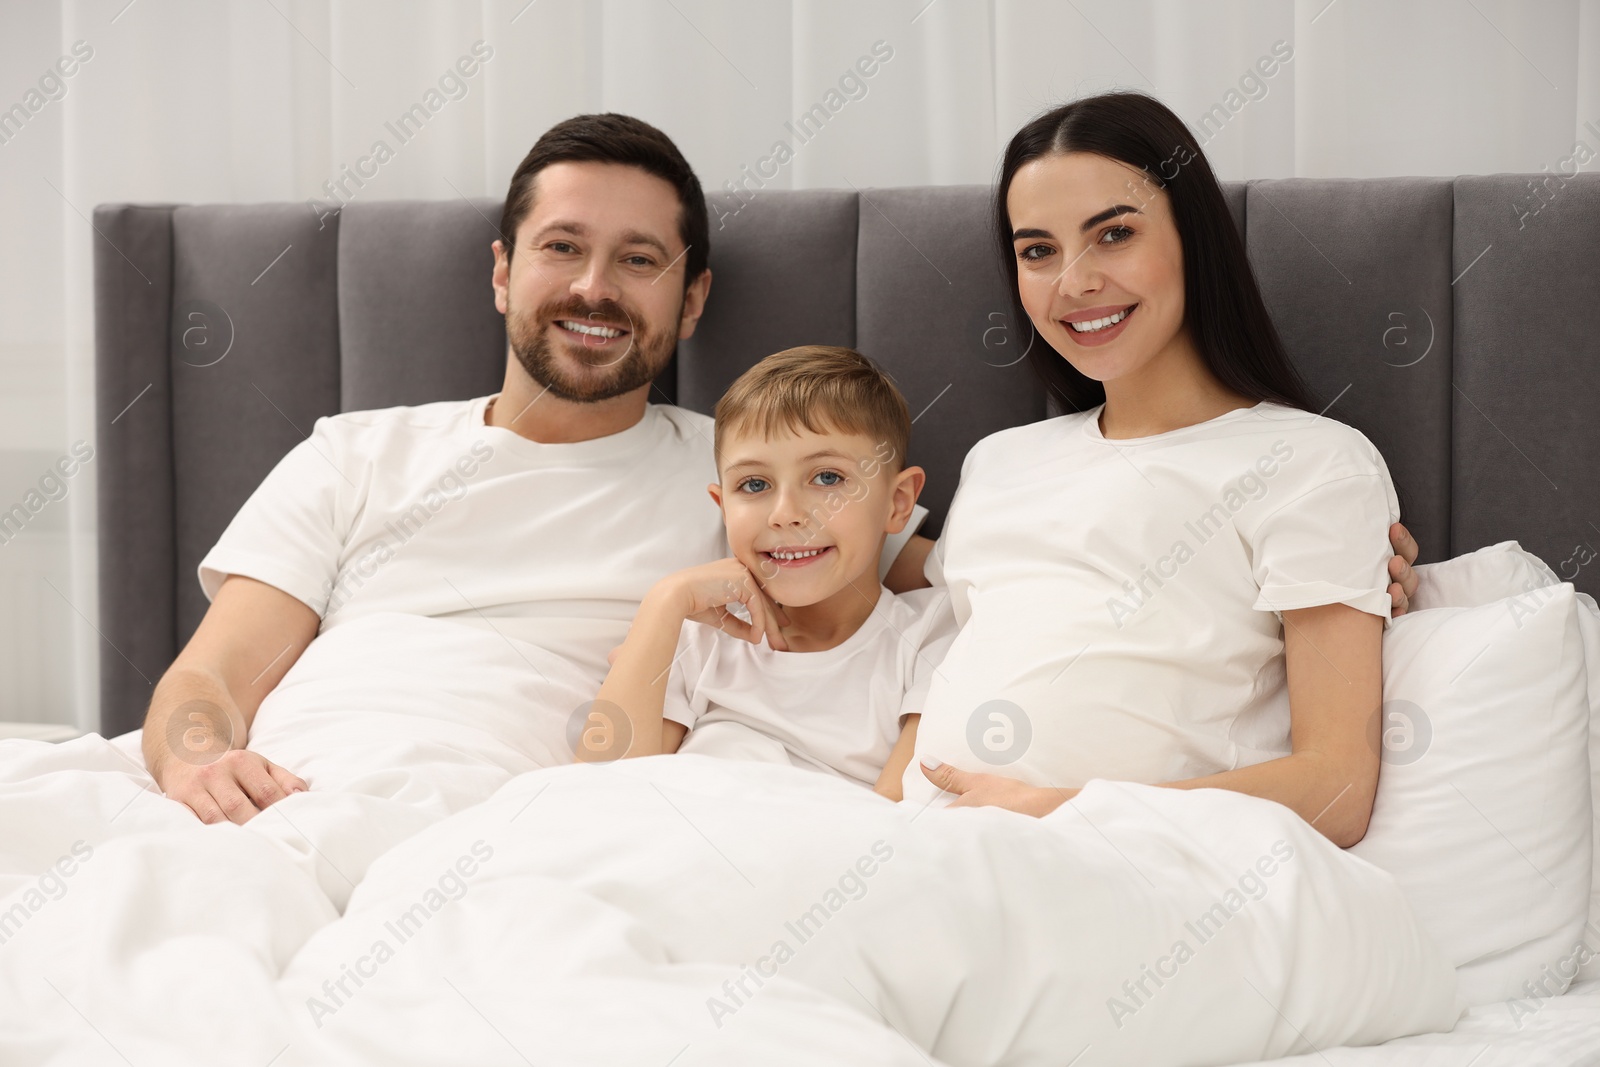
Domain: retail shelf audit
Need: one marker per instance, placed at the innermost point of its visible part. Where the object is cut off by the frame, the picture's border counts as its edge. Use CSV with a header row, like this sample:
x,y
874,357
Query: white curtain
x,y
251,100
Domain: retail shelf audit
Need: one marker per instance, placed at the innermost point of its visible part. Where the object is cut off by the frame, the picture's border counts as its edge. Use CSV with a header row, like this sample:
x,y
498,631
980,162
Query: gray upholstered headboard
x,y
1455,322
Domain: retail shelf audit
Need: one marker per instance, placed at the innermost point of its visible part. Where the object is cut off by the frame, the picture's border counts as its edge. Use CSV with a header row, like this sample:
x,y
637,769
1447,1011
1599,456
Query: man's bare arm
x,y
905,573
200,715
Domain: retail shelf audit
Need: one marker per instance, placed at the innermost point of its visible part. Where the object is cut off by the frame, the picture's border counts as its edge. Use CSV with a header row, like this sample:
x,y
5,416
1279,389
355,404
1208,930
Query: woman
x,y
1184,581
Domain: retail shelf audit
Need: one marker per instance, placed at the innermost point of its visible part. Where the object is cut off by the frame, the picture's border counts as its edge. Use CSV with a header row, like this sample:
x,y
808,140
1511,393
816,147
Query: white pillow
x,y
1505,570
1482,577
1483,812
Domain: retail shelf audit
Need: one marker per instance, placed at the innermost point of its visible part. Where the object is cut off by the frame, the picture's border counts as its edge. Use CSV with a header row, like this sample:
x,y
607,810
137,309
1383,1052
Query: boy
x,y
810,447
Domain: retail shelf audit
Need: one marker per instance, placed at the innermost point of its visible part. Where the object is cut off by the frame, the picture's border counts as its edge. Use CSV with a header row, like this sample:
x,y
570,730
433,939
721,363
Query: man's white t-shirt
x,y
839,710
428,511
1118,598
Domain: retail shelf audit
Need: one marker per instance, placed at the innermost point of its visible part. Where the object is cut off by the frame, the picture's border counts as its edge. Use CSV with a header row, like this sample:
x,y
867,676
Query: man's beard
x,y
645,357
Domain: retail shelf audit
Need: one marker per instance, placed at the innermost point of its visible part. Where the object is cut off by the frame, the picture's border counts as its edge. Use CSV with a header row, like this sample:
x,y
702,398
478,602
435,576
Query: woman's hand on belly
x,y
975,790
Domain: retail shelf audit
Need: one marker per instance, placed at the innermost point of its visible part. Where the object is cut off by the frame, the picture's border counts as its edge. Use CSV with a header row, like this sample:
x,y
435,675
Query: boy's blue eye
x,y
752,485
838,479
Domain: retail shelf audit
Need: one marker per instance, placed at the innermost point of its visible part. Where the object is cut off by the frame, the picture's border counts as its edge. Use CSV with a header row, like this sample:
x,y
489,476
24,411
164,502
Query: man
x,y
533,521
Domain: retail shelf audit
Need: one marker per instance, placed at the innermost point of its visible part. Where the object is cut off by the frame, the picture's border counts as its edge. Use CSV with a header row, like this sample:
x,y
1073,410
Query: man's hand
x,y
1404,584
201,712
235,787
992,790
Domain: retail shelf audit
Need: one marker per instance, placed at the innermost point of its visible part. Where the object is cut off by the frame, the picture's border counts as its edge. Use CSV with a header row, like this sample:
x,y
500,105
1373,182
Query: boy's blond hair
x,y
819,388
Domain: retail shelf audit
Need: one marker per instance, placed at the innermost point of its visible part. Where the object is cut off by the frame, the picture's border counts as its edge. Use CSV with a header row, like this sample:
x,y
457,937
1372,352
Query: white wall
x,y
203,100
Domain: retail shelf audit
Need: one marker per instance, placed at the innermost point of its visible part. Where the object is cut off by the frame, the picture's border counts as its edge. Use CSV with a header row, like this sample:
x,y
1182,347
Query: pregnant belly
x,y
1152,703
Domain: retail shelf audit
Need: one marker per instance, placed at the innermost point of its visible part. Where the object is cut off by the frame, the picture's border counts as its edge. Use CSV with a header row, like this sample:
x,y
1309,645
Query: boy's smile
x,y
790,556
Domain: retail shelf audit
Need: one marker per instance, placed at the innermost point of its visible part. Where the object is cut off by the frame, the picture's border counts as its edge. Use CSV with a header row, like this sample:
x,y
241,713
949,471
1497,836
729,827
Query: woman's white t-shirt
x,y
839,710
1119,599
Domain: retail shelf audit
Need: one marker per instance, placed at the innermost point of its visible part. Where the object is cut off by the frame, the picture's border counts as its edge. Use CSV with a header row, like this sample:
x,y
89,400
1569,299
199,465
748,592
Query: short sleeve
x,y
1328,542
683,704
938,631
291,532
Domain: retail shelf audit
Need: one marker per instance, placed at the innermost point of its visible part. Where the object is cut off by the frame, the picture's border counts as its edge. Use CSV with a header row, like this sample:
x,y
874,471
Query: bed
x,y
1456,332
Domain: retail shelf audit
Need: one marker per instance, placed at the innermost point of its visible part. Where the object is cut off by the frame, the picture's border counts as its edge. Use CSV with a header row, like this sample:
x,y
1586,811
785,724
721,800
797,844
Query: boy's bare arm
x,y
202,709
899,759
636,686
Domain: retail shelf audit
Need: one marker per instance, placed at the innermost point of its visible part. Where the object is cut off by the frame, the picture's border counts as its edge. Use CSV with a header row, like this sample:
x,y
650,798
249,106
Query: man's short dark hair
x,y
622,139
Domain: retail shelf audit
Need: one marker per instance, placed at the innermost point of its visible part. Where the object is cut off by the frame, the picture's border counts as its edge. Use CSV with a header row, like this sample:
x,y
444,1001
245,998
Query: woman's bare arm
x,y
1334,662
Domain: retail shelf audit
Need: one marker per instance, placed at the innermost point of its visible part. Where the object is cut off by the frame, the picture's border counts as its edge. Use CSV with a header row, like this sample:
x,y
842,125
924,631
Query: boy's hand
x,y
704,593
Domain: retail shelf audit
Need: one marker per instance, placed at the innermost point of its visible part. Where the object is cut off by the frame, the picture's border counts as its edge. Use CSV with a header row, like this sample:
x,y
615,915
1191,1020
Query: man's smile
x,y
589,334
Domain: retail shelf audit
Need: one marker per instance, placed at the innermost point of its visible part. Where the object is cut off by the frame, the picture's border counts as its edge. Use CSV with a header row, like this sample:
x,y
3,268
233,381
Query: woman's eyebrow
x,y
1088,224
1108,213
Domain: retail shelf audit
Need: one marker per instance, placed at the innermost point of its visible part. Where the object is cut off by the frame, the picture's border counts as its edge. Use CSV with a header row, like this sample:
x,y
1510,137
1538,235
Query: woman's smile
x,y
1098,326
1090,263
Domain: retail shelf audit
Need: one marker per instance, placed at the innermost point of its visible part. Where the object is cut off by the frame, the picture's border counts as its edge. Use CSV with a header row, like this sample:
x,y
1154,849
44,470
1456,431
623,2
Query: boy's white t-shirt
x,y
838,710
429,511
1118,599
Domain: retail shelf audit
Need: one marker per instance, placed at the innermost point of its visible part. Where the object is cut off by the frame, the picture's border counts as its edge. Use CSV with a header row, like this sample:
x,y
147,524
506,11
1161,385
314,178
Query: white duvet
x,y
436,898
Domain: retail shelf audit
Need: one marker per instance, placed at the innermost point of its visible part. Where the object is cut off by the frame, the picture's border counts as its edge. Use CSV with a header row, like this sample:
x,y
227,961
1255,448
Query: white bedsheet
x,y
1559,1031
659,909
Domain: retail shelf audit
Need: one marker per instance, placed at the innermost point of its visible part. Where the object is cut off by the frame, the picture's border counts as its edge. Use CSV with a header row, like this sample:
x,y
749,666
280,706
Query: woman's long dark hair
x,y
1222,303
